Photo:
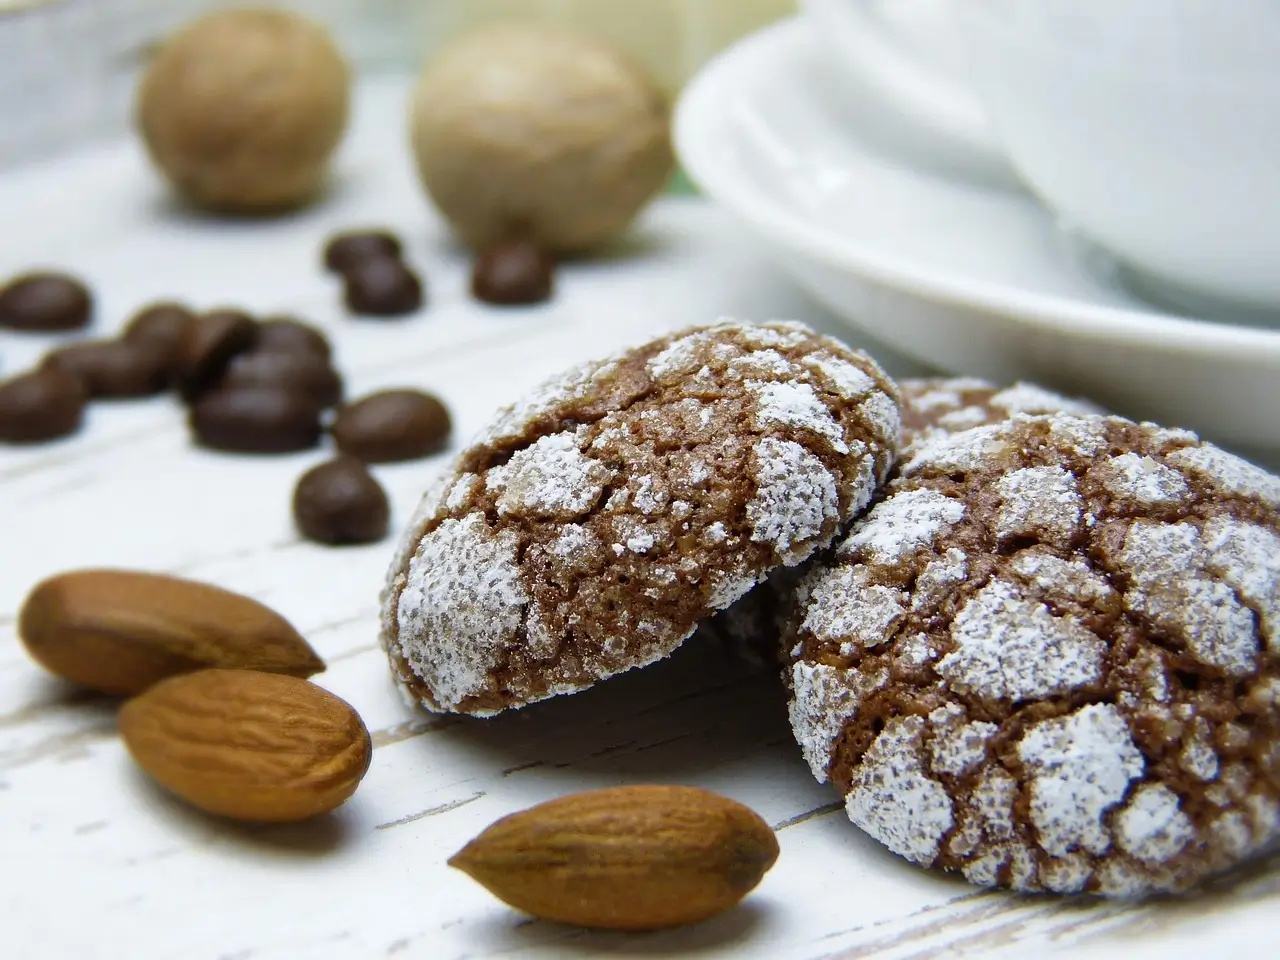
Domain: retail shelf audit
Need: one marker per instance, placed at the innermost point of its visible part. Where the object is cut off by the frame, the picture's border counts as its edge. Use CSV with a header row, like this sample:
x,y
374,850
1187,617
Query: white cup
x,y
1150,126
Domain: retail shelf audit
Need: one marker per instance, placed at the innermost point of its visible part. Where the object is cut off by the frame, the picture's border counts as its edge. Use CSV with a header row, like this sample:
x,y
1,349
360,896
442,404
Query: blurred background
x,y
68,67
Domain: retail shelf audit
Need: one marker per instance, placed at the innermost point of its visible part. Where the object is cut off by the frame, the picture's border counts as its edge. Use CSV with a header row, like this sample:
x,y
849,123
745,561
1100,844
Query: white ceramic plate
x,y
971,278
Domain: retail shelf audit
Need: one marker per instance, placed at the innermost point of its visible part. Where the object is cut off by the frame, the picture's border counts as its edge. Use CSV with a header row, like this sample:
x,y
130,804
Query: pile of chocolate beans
x,y
250,386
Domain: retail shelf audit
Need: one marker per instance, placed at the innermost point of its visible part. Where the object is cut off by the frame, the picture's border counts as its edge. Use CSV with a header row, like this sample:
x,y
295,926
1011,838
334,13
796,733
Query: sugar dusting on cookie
x,y
1075,626
463,590
621,503
795,497
894,799
1010,648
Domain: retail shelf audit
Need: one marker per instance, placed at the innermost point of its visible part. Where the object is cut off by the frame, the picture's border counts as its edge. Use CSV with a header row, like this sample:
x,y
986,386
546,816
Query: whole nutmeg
x,y
242,109
539,131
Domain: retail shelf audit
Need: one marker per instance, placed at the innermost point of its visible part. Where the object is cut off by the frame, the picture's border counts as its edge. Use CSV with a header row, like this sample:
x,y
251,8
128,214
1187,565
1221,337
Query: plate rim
x,y
704,97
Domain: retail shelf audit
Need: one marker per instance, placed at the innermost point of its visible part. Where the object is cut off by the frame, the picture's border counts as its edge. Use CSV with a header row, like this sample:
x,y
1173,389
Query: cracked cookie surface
x,y
931,407
596,522
1049,657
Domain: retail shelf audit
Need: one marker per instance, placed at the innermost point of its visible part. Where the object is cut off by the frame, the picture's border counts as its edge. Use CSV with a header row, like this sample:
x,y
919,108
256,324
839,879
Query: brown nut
x,y
626,858
119,632
242,109
250,746
541,131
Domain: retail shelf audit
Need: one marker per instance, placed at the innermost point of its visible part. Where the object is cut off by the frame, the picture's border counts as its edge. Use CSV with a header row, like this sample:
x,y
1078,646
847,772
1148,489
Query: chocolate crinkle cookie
x,y
931,407
594,524
1048,658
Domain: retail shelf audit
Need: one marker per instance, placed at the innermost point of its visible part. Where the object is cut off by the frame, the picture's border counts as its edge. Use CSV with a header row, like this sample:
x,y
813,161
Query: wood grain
x,y
100,863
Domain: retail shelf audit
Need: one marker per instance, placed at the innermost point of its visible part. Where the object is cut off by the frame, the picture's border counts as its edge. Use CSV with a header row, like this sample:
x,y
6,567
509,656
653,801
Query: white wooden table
x,y
96,862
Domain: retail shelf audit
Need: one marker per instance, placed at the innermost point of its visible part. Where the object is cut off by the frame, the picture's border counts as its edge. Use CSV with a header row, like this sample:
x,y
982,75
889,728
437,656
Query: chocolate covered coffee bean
x,y
41,405
304,373
45,302
392,425
340,502
382,287
513,273
211,342
114,368
346,250
288,335
256,420
164,328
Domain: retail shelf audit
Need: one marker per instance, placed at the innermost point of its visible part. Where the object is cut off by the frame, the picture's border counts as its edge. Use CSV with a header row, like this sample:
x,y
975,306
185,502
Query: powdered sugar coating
x,y
552,478
795,496
934,407
1040,502
1011,648
816,687
958,748
1166,563
892,778
1247,558
1151,827
1080,767
464,590
796,405
938,578
1141,481
1090,675
849,610
632,499
852,381
902,524
1228,473
965,450
1029,398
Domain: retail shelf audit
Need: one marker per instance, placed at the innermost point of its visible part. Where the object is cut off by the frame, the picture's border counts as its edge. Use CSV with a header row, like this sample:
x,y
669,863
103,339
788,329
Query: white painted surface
x,y
96,862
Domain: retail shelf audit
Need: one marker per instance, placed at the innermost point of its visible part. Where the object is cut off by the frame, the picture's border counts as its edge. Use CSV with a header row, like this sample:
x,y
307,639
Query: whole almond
x,y
251,746
626,858
120,632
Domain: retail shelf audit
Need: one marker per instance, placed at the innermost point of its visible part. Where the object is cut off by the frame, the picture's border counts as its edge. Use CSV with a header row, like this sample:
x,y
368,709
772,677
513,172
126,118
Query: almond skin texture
x,y
252,746
626,858
119,632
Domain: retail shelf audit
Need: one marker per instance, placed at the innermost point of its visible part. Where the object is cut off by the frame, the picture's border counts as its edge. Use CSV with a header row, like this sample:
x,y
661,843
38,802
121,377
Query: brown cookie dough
x,y
592,527
1049,658
932,406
